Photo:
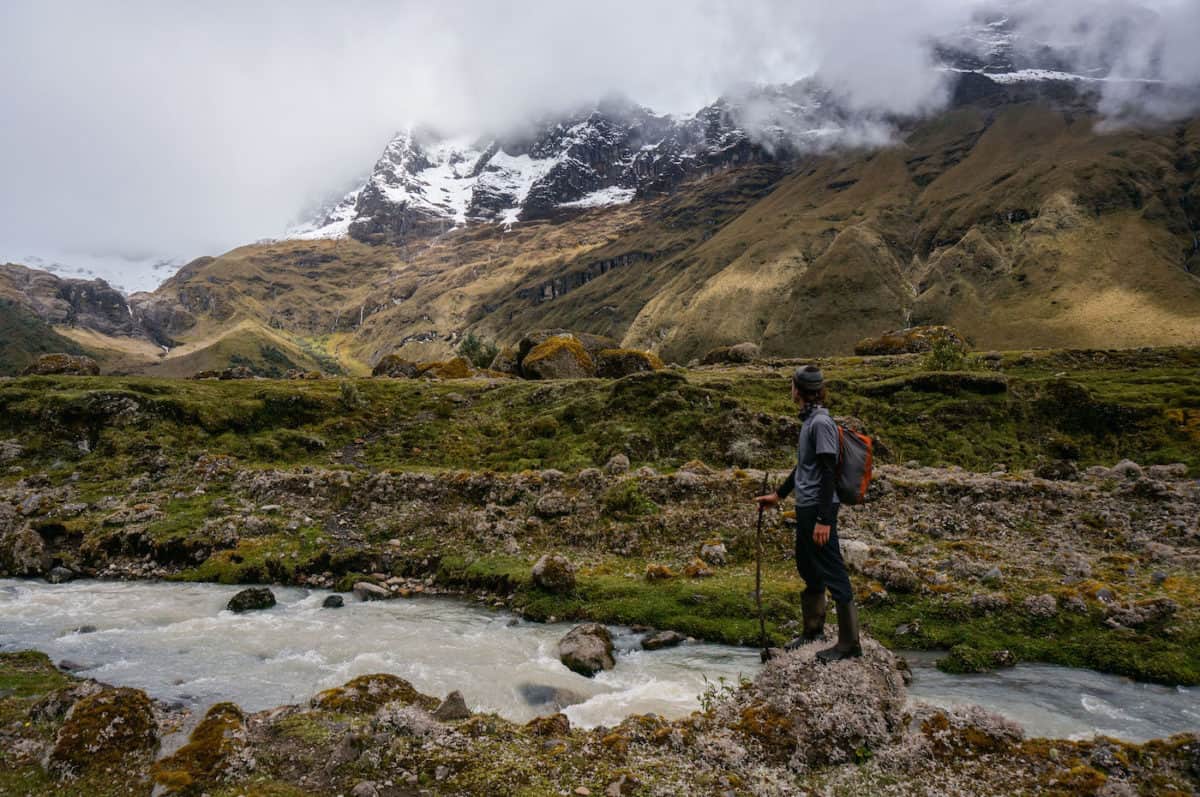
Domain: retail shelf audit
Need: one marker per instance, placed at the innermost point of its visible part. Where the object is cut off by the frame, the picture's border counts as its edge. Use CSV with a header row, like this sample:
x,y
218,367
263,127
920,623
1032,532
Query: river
x,y
177,642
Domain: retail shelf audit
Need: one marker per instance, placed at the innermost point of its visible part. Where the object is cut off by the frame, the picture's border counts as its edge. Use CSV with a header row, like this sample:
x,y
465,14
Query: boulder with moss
x,y
558,357
731,355
395,367
62,365
208,753
616,363
112,729
593,344
809,714
554,573
457,368
911,340
367,693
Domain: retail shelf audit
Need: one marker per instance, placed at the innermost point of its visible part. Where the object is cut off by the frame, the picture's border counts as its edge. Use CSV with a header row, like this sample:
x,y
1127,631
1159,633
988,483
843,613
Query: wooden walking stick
x,y
765,653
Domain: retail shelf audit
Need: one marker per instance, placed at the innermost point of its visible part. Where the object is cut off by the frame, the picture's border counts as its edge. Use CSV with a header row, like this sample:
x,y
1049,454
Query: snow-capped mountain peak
x,y
604,155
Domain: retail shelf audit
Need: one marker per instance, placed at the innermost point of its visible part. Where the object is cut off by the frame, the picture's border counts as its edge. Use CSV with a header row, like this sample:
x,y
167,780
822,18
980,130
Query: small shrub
x,y
350,397
625,499
945,354
477,351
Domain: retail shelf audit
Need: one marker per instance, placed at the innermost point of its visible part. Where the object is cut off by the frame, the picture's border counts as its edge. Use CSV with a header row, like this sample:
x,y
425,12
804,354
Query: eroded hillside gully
x,y
1038,603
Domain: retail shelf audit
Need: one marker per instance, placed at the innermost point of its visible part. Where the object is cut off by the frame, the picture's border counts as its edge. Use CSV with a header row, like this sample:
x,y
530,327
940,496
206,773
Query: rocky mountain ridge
x,y
606,155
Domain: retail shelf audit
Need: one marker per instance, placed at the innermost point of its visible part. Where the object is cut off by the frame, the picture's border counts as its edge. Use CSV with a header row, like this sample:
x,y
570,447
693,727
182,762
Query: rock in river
x,y
662,639
60,575
251,599
366,591
333,602
587,649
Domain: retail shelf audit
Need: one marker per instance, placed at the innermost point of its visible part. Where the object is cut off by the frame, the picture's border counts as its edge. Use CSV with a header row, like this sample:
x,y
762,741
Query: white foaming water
x,y
178,643
1063,702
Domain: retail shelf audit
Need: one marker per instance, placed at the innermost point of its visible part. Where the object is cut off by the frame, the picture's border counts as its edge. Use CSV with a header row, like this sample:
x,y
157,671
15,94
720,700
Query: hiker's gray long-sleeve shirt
x,y
816,464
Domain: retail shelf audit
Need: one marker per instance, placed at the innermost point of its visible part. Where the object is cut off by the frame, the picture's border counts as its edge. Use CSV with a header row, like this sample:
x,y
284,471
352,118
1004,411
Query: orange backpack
x,y
855,458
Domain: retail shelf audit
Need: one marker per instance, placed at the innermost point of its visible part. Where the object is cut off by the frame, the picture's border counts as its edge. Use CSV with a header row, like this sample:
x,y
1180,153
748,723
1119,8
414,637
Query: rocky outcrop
x,y
587,649
86,304
22,550
63,365
811,714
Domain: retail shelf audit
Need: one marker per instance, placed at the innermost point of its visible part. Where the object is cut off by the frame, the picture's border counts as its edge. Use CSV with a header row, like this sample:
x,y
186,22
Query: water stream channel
x,y
178,643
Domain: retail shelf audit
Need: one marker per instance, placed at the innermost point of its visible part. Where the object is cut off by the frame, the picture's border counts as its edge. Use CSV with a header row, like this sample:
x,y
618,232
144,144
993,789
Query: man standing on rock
x,y
818,555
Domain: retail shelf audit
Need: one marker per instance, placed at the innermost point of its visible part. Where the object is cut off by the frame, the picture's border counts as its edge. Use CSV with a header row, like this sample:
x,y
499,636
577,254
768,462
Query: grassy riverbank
x,y
468,482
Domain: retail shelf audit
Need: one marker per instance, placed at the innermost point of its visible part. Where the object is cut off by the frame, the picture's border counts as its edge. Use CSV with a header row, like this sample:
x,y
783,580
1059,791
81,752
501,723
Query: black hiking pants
x,y
821,566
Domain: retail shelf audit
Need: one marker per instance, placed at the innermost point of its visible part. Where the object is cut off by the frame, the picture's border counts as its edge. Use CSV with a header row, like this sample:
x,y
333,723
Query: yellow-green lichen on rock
x,y
369,692
458,368
112,728
206,755
558,357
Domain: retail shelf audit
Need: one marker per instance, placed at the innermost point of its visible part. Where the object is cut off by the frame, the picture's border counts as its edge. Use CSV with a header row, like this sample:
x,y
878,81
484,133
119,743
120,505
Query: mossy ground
x,y
1087,407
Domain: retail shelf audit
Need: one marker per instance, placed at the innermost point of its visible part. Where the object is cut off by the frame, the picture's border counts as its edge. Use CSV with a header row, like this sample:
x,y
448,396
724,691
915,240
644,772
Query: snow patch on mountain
x,y
602,198
126,274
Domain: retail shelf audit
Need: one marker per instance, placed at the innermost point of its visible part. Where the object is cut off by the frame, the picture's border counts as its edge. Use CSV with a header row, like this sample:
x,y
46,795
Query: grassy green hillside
x,y
24,336
1089,407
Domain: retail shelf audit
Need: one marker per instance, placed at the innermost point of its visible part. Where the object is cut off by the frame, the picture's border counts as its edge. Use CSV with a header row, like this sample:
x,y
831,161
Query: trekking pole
x,y
765,653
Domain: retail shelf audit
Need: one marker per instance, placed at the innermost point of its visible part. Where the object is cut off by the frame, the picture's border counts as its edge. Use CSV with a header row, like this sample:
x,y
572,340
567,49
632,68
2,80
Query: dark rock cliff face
x,y
89,304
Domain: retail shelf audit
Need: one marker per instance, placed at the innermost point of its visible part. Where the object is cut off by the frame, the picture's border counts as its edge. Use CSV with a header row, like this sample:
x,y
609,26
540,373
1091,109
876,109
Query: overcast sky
x,y
184,128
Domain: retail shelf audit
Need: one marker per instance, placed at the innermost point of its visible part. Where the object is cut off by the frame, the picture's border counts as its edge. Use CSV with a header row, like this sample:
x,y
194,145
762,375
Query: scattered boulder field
x,y
545,354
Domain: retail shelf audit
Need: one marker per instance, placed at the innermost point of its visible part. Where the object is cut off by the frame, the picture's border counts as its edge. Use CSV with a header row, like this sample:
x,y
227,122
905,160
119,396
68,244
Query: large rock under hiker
x,y
818,554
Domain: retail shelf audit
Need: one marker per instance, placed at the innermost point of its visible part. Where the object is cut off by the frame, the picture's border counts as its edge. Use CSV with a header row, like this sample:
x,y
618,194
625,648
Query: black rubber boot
x,y
847,646
812,608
